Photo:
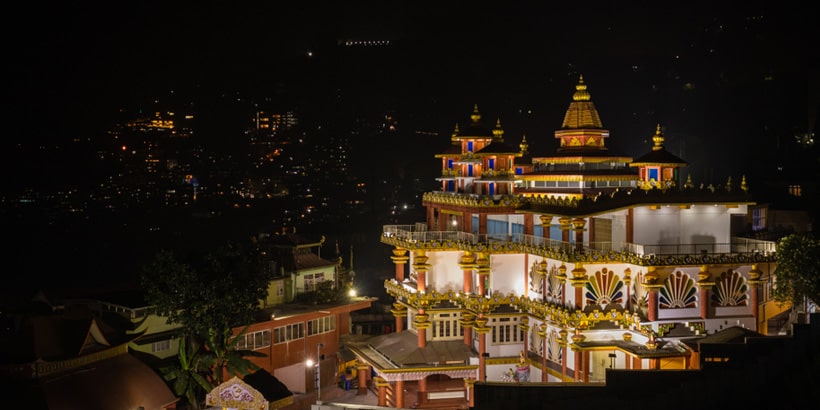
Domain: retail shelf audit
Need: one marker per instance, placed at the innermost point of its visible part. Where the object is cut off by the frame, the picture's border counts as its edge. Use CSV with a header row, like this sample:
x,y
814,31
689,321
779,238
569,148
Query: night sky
x,y
729,85
701,71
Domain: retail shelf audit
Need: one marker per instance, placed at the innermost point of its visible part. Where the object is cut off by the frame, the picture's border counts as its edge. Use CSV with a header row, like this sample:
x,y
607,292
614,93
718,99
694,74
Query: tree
x,y
209,294
797,276
186,376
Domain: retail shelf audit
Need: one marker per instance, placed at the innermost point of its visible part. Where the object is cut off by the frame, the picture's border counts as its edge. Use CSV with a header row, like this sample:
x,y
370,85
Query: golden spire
x,y
743,185
498,133
455,133
581,93
523,145
658,139
582,114
476,116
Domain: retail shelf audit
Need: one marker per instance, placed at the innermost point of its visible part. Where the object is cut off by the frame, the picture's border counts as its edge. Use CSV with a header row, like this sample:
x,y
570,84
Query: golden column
x,y
565,224
705,283
400,258
468,264
483,270
652,283
755,280
541,270
546,220
578,226
469,384
524,326
399,311
627,282
563,342
421,267
562,280
363,374
421,321
542,332
482,329
579,356
578,281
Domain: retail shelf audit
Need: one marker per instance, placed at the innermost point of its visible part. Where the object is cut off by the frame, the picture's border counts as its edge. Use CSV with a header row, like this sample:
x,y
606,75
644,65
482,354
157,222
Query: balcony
x,y
739,250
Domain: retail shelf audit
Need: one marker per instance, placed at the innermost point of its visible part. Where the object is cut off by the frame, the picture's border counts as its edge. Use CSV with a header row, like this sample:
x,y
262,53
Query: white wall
x,y
672,225
444,273
507,274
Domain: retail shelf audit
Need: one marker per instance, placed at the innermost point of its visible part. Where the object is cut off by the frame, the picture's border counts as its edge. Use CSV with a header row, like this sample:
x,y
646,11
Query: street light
x,y
319,373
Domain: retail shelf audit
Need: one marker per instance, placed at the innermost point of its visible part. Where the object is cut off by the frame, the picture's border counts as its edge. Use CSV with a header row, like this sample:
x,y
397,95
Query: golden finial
x,y
476,116
729,184
498,133
455,132
658,139
523,145
688,183
581,93
743,185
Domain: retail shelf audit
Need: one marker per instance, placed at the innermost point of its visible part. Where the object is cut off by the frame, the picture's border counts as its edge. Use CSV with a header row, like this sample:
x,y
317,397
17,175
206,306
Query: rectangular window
x,y
313,280
505,331
287,333
254,340
322,325
161,346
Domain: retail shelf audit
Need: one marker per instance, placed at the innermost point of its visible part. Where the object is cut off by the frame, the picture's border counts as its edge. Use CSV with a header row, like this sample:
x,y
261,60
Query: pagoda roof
x,y
659,156
401,351
581,112
499,147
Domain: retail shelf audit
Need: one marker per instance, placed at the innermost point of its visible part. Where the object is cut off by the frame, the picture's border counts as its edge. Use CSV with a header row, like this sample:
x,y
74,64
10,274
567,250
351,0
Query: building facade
x,y
554,268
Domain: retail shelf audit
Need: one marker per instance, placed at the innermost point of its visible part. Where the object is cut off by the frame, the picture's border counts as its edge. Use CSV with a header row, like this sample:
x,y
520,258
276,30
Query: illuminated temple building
x,y
554,268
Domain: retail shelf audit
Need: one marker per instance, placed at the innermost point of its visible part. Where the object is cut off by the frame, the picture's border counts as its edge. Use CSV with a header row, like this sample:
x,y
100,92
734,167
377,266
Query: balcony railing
x,y
739,249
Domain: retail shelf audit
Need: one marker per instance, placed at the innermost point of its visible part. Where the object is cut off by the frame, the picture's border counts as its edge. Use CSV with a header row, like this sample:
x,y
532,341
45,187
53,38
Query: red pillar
x,y
398,391
652,304
363,374
482,349
467,265
578,365
381,385
422,393
546,220
528,228
704,302
578,227
482,224
400,259
704,283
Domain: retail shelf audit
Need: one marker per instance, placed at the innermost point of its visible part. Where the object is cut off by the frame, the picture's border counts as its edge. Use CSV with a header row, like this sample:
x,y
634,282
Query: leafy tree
x,y
186,376
228,359
797,276
209,294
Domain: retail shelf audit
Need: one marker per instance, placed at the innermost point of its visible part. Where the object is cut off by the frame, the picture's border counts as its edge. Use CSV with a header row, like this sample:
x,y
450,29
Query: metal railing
x,y
412,234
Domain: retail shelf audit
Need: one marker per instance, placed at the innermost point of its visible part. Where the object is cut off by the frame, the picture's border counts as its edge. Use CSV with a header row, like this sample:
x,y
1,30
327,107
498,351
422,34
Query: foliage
x,y
186,376
797,276
222,357
209,294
